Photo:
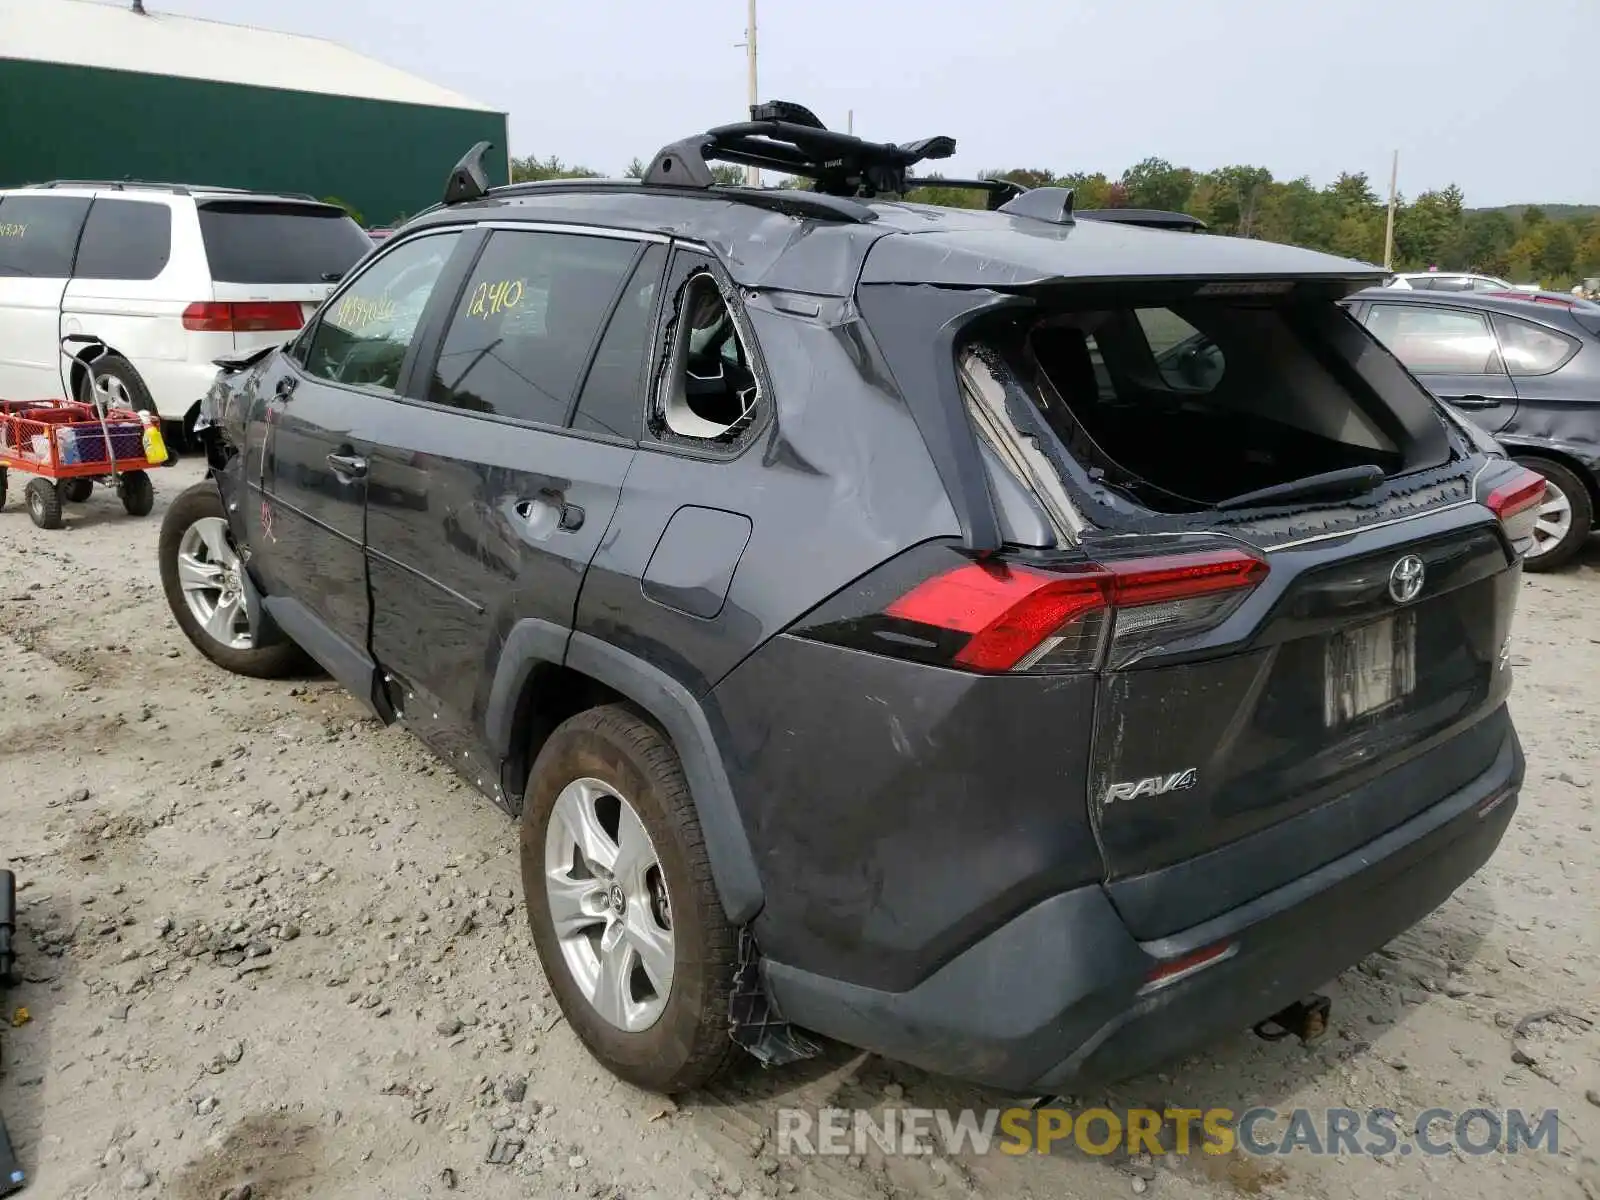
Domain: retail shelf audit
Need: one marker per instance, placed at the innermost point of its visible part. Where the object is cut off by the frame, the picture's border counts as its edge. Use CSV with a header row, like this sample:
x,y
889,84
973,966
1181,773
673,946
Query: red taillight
x,y
1008,610
1516,502
1021,617
1524,490
245,316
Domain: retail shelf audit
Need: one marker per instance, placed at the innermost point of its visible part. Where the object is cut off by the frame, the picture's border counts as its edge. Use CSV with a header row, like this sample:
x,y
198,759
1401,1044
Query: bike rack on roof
x,y
786,137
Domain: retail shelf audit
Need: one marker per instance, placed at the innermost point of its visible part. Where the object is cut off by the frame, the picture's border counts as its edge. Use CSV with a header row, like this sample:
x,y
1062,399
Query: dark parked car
x,y
1526,371
1019,644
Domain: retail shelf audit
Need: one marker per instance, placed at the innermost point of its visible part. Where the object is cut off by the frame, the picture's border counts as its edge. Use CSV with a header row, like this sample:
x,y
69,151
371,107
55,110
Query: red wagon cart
x,y
68,447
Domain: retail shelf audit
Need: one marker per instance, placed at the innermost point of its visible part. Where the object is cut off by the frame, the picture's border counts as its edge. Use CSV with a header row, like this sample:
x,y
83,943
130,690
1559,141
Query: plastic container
x,y
155,446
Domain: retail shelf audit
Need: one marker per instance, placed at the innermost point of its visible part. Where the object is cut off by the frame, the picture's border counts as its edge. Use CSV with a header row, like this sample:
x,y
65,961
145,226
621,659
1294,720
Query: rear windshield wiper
x,y
1348,481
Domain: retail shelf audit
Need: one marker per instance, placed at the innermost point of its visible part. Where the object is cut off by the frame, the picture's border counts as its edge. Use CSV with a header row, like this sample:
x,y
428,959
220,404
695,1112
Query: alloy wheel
x,y
111,392
1555,521
209,576
608,901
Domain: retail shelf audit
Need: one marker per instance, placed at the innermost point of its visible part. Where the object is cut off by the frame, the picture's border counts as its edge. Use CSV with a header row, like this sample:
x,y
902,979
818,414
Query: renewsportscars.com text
x,y
1376,1132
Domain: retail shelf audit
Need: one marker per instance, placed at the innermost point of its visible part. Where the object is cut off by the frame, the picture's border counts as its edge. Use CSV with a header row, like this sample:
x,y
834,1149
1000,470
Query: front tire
x,y
1566,517
201,574
621,903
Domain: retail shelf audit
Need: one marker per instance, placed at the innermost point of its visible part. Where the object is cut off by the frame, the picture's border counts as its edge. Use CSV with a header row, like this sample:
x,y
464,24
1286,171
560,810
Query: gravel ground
x,y
268,944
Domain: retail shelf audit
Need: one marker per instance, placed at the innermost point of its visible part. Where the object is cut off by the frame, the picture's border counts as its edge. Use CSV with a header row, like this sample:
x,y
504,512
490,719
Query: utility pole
x,y
1388,236
752,175
850,121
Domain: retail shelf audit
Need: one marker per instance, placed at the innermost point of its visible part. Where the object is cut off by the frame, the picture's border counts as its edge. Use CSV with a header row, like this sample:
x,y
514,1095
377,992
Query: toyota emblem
x,y
1405,579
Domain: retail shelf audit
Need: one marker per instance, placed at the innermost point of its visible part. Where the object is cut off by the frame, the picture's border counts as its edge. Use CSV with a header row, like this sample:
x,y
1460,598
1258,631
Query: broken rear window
x,y
1183,406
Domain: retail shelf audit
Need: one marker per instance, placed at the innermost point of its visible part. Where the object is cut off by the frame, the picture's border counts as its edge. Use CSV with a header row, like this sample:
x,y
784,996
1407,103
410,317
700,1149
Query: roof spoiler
x,y
1146,218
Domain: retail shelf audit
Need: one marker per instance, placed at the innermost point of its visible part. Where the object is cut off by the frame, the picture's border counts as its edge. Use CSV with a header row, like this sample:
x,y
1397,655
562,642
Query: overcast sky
x,y
1499,98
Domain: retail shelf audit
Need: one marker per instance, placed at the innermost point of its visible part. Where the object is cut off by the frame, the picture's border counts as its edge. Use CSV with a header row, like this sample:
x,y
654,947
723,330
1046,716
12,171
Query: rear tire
x,y
118,383
1565,519
198,505
44,503
76,491
625,775
138,495
3,482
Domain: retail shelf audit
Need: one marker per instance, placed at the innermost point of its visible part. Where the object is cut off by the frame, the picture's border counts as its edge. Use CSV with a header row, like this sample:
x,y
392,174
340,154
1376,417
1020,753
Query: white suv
x,y
169,277
1455,281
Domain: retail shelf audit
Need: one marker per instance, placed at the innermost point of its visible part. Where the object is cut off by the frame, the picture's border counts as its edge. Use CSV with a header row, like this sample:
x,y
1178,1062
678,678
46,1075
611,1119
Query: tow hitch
x,y
1306,1019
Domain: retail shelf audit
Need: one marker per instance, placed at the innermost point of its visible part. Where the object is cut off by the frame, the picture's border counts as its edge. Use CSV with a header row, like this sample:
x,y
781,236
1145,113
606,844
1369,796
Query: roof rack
x,y
177,189
1148,218
843,168
786,137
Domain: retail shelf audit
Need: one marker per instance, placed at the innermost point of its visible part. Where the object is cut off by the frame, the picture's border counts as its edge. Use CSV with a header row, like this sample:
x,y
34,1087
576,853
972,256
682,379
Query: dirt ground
x,y
269,945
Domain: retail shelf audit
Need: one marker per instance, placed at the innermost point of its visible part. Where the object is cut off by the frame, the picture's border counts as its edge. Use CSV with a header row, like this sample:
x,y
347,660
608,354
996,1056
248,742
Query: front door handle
x,y
1476,402
348,466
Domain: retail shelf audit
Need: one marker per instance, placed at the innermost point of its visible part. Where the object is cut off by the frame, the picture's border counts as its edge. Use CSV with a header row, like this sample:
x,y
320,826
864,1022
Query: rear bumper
x,y
1055,995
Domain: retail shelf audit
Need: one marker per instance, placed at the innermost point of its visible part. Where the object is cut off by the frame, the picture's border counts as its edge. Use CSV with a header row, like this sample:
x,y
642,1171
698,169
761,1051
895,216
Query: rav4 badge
x,y
1155,785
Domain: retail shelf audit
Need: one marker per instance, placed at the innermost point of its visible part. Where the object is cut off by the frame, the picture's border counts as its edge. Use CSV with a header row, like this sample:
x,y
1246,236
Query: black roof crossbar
x,y
177,189
1148,218
789,138
1000,191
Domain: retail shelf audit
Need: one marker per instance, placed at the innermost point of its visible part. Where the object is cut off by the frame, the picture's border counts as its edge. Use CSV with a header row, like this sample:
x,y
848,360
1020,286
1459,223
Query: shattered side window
x,y
711,392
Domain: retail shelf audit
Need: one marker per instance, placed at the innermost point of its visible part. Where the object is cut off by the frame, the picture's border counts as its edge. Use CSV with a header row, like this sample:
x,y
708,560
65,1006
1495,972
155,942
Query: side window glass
x,y
527,321
1188,360
362,335
125,239
1531,349
612,400
39,235
1436,341
711,391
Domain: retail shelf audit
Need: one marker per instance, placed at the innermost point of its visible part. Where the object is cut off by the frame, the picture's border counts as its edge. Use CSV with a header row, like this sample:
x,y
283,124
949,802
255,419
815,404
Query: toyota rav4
x,y
1019,642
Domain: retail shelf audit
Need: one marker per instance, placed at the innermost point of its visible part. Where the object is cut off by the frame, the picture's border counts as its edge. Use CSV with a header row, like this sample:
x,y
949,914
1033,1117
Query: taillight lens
x,y
1000,616
1516,501
246,316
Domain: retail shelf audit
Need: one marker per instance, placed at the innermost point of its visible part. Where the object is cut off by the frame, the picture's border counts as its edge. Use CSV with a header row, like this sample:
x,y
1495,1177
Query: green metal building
x,y
122,91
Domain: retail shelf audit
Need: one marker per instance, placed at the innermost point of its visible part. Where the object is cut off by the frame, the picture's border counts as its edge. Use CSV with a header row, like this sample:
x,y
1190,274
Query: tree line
x,y
1555,248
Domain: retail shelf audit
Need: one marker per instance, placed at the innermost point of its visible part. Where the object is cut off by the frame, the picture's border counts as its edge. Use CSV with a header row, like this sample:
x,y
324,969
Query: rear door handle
x,y
568,516
1476,402
352,466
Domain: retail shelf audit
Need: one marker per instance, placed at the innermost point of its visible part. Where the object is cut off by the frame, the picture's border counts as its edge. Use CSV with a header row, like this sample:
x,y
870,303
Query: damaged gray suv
x,y
1022,642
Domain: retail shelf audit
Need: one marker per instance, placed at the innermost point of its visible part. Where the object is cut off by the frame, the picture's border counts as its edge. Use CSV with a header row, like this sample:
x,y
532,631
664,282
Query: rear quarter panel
x,y
834,483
